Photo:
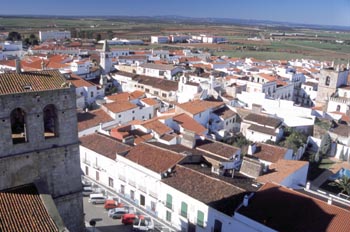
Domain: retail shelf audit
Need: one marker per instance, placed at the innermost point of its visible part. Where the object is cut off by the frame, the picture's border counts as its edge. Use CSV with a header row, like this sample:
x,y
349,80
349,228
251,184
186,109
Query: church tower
x,y
106,58
329,81
39,140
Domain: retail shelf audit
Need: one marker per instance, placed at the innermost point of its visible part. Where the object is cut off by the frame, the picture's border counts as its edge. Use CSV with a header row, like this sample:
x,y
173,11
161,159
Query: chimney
x,y
252,149
18,66
308,185
329,201
246,200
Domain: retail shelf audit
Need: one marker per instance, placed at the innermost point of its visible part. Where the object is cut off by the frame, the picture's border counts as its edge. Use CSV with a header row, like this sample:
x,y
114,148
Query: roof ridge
x,y
213,178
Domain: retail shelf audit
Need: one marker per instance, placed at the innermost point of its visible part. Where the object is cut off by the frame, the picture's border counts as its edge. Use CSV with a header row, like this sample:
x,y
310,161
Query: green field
x,y
313,44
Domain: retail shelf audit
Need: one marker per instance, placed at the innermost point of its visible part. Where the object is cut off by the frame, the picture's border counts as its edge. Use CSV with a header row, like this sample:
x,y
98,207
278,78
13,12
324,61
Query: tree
x,y
98,37
14,36
294,139
343,183
31,40
325,146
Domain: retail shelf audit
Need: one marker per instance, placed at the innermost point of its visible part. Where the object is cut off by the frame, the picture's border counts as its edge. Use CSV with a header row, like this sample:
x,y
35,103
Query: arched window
x,y
50,122
328,80
338,108
18,126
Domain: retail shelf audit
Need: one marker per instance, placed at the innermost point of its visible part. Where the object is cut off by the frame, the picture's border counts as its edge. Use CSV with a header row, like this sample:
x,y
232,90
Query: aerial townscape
x,y
191,123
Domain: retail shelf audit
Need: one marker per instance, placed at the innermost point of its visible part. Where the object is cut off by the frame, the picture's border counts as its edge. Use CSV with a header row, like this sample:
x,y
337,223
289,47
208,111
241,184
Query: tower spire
x,y
106,47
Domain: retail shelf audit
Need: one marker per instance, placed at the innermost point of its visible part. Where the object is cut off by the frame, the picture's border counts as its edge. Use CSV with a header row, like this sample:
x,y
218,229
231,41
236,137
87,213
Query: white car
x,y
143,223
97,198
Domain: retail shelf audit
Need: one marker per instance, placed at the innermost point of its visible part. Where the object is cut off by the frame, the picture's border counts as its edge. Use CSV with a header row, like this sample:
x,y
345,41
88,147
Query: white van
x,y
97,198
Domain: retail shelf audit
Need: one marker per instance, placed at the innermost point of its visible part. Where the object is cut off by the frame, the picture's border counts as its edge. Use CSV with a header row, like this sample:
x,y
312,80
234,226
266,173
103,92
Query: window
x,y
18,126
147,90
164,95
328,80
200,218
183,209
200,115
133,111
92,94
338,108
156,93
168,216
153,206
86,170
217,226
122,189
169,201
142,200
119,116
132,194
97,176
110,182
50,121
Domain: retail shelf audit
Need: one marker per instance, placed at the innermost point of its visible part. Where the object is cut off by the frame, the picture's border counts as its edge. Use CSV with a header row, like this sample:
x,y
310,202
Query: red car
x,y
128,219
111,204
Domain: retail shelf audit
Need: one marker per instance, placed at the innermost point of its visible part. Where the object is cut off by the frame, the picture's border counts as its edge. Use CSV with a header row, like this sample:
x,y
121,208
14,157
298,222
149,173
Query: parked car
x,y
128,219
111,204
143,223
87,191
97,198
117,213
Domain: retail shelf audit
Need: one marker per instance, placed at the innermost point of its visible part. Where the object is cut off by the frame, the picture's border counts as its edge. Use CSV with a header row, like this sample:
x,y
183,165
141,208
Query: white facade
x,y
137,113
98,167
159,39
56,35
80,67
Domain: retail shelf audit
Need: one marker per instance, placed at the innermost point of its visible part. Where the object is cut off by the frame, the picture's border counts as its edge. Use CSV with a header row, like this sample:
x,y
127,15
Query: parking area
x,y
103,222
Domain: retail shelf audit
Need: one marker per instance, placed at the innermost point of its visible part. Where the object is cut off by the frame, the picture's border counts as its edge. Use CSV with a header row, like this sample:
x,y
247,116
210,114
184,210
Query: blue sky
x,y
325,12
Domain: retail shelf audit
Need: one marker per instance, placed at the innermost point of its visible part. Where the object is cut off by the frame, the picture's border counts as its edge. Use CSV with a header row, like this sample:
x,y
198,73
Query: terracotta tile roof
x,y
38,81
157,126
198,106
341,129
157,83
120,106
217,148
104,145
158,66
283,209
149,101
92,118
21,209
215,193
267,77
126,96
224,112
261,129
263,120
168,137
78,82
269,152
154,158
280,170
190,124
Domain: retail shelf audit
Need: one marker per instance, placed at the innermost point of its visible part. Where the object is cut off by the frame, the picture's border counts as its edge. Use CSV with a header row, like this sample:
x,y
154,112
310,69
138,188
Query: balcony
x,y
153,194
132,183
169,205
122,178
142,188
96,166
86,161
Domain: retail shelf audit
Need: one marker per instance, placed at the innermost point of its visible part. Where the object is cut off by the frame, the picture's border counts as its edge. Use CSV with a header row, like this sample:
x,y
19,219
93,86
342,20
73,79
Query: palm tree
x,y
343,183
